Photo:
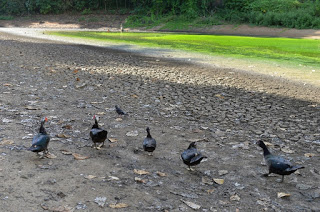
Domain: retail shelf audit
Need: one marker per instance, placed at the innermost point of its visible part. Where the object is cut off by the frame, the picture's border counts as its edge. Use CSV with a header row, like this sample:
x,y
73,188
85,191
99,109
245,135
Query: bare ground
x,y
225,110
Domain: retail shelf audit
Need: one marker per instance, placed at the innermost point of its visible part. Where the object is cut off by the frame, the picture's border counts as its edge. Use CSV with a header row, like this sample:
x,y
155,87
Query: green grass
x,y
5,17
282,50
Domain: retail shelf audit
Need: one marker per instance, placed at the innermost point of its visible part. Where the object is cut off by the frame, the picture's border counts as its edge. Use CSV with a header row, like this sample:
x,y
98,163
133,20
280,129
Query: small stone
x,y
223,172
101,201
132,133
303,186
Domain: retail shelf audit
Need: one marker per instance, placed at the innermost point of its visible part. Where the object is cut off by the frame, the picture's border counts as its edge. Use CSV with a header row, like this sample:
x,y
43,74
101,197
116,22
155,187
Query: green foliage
x,y
6,17
280,13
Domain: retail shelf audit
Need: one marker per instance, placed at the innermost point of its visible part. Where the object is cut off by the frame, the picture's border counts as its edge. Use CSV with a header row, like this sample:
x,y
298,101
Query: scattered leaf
x,y
268,144
66,152
61,209
101,113
119,205
198,140
219,96
140,172
68,127
210,191
287,150
191,204
89,177
113,178
113,140
50,155
139,180
161,174
6,142
79,157
7,84
206,180
282,194
118,119
76,71
235,198
134,96
218,181
309,155
78,79
61,135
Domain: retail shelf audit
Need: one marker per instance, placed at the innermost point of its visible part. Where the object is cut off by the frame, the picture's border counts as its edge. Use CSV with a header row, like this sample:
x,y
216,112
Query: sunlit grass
x,y
298,51
300,58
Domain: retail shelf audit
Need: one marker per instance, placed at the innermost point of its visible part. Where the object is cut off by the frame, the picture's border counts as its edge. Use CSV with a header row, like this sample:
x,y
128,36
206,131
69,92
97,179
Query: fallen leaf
x,y
268,144
50,155
134,96
113,178
78,79
113,140
61,209
7,84
219,96
101,113
68,127
210,191
61,135
79,157
118,119
282,194
66,152
309,155
191,204
161,174
218,181
139,180
140,172
206,180
287,150
6,142
119,205
235,198
75,71
89,177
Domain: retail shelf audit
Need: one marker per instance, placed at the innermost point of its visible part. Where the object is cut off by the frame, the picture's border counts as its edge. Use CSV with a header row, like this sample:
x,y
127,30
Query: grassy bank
x,y
282,50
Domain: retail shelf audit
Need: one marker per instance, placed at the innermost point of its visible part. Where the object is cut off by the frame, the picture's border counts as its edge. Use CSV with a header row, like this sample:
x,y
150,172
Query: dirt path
x,y
225,110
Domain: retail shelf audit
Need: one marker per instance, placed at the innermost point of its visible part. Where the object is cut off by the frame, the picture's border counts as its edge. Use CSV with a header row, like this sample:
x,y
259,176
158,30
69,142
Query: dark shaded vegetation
x,y
178,14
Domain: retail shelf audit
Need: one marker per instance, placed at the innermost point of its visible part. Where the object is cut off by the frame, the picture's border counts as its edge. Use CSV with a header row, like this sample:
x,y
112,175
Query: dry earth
x,y
225,110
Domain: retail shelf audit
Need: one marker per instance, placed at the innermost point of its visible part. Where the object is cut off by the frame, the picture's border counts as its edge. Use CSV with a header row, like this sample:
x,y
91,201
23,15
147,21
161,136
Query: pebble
x,y
303,186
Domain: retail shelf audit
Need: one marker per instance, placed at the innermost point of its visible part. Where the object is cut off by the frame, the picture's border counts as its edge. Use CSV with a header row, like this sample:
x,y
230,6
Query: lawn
x,y
284,51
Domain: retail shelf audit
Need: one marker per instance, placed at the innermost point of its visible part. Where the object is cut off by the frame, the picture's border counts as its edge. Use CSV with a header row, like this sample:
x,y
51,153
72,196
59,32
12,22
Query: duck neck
x,y
265,150
42,130
148,134
95,124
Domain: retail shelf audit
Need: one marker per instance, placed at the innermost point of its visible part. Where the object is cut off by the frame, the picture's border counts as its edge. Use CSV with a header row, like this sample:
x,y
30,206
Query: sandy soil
x,y
224,110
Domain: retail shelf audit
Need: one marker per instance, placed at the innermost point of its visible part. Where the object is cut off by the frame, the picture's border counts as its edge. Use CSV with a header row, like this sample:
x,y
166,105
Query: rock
x,y
101,201
132,133
303,186
223,172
